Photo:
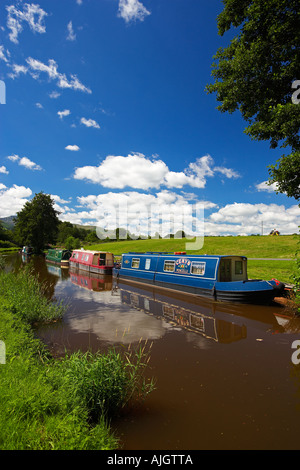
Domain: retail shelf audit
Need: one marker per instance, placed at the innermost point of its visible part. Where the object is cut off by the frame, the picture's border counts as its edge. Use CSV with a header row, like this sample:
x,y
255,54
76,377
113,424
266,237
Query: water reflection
x,y
206,324
94,282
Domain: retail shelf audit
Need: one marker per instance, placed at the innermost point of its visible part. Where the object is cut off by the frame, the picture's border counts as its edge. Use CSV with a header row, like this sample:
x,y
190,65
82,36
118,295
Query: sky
x,y
105,109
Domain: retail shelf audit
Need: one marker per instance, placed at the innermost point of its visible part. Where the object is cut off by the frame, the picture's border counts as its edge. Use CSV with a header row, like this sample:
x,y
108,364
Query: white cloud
x,y
32,14
12,199
36,67
4,54
245,218
71,35
118,172
90,123
131,10
30,165
264,186
137,171
228,172
64,113
54,95
165,212
58,199
13,158
39,105
73,148
3,170
24,161
17,70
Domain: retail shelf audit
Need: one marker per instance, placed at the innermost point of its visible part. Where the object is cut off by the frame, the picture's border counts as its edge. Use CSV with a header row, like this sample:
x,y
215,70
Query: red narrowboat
x,y
99,262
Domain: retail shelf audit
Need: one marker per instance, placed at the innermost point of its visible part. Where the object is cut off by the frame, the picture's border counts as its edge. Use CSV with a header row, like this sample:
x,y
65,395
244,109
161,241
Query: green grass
x,y
281,247
281,270
251,246
63,404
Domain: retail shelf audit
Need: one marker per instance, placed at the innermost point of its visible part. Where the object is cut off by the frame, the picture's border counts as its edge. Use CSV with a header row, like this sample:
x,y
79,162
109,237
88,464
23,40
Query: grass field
x,y
282,247
252,246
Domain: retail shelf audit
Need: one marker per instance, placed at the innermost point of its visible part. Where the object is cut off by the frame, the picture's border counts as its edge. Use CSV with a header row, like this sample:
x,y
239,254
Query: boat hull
x,y
91,268
262,292
62,264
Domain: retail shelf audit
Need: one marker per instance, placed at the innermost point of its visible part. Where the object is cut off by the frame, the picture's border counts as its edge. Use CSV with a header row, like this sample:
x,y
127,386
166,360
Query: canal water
x,y
224,373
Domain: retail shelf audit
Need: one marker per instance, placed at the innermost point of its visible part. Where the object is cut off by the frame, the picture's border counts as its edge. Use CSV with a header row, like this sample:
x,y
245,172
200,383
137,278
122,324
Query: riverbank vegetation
x,y
57,404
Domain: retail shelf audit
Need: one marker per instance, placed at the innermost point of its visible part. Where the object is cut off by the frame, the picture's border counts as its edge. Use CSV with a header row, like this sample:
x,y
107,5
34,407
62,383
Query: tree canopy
x,y
37,223
256,74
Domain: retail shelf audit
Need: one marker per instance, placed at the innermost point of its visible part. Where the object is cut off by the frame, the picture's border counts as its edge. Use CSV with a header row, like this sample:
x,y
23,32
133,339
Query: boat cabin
x,y
232,268
218,268
58,256
92,261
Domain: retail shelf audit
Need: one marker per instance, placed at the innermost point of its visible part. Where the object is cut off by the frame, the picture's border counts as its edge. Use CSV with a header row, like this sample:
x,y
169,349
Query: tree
x,y
65,230
37,223
256,74
72,243
2,232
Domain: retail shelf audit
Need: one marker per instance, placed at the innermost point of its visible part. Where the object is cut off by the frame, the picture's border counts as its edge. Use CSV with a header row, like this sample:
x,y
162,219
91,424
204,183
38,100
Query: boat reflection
x,y
57,271
224,323
94,282
108,309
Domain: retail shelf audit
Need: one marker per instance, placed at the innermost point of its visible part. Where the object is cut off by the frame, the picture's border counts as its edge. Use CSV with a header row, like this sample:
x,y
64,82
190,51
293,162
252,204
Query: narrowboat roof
x,y
89,251
57,250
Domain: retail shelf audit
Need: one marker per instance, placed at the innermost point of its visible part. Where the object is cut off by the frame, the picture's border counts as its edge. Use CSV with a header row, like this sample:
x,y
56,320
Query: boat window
x,y
82,257
135,263
86,258
238,269
198,267
147,263
169,266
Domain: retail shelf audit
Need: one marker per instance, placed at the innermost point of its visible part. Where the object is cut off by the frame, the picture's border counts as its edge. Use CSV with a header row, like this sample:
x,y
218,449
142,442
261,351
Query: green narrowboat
x,y
59,256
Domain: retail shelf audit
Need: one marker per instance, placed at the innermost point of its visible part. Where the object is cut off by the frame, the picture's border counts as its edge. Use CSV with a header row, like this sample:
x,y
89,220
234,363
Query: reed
x,y
25,295
105,383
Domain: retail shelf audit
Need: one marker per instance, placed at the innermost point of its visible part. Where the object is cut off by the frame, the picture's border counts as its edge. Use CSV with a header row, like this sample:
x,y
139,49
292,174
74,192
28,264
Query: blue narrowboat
x,y
218,277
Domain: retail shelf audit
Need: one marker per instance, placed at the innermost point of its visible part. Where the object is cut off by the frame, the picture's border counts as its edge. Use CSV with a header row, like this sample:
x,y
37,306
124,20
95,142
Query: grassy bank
x,y
268,269
281,247
57,404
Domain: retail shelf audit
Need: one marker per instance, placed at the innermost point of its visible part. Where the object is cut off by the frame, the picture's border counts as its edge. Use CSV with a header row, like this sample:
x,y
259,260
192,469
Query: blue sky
x,y
106,110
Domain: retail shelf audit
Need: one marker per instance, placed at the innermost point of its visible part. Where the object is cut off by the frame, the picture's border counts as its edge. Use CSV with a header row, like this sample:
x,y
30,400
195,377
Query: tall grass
x,y
48,404
26,295
105,383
